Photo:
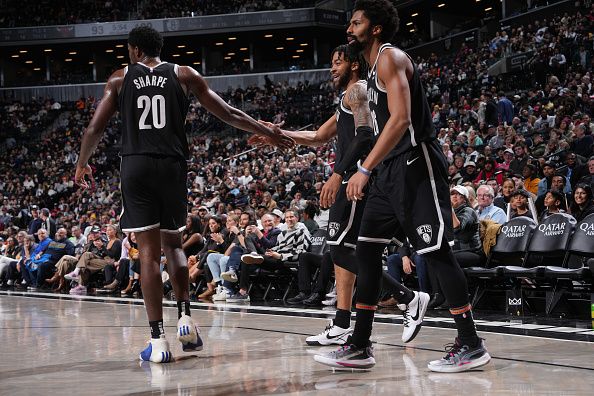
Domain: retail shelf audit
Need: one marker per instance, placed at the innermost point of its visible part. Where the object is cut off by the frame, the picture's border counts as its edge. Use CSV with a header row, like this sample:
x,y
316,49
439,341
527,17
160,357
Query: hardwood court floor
x,y
74,346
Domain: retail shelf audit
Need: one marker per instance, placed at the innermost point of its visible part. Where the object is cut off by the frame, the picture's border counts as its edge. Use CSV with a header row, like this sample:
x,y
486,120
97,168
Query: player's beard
x,y
359,44
344,79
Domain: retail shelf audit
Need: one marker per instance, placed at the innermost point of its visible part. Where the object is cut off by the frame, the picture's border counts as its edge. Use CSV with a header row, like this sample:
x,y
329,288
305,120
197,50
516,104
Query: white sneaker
x,y
157,351
413,316
252,258
329,302
229,276
221,294
188,334
332,335
332,292
10,282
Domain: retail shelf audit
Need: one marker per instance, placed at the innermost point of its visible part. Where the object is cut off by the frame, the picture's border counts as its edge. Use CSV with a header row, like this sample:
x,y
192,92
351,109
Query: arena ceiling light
x,y
232,38
109,50
231,53
408,24
37,68
295,56
124,64
48,50
72,53
68,60
120,56
195,63
181,46
91,62
15,56
304,44
23,51
29,61
189,52
268,35
415,14
120,46
175,55
488,9
290,38
227,57
441,5
246,60
299,50
412,30
243,49
219,43
280,48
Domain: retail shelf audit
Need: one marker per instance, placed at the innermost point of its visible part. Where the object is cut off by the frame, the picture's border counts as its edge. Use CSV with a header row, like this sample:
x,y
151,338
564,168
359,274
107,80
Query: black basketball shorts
x,y
410,198
344,219
154,193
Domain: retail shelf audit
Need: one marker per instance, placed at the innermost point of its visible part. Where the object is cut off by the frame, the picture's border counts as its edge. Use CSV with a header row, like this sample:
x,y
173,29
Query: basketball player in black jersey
x,y
352,126
152,97
409,197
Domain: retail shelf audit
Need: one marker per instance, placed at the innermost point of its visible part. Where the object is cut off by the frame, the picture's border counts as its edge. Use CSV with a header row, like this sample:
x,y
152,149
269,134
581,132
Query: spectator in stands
x,y
582,204
505,109
9,256
310,211
548,171
35,223
530,179
466,230
574,171
78,240
486,209
192,241
582,143
16,271
89,263
31,263
56,249
552,202
290,243
47,222
517,165
519,204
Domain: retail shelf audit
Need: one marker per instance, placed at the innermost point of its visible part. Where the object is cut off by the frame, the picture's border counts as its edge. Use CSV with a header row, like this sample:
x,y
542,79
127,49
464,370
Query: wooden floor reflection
x,y
68,346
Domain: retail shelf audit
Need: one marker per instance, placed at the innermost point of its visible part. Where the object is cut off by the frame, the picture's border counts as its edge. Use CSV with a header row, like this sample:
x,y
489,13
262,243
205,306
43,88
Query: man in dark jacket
x,y
54,252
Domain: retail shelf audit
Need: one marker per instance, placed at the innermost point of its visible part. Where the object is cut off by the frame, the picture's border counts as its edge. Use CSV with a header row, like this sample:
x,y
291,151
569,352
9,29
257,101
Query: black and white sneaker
x,y
348,356
461,358
413,316
332,335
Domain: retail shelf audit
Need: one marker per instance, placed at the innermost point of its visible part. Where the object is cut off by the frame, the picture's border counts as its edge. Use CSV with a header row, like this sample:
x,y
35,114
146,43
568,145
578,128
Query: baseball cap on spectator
x,y
202,207
277,212
460,190
470,163
510,151
96,228
550,164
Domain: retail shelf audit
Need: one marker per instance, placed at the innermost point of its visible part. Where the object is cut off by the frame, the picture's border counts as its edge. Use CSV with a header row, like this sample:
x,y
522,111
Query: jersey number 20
x,y
155,106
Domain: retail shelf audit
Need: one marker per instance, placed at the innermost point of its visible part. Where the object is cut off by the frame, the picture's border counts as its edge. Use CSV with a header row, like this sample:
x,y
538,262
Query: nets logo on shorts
x,y
333,228
425,232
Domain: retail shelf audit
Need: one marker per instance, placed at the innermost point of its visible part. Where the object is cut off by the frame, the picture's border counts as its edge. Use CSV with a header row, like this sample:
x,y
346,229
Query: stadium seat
x,y
550,239
511,245
574,270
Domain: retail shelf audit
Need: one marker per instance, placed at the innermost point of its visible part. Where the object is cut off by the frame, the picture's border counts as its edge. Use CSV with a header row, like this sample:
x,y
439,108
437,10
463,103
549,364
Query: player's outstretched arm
x,y
106,109
315,138
228,114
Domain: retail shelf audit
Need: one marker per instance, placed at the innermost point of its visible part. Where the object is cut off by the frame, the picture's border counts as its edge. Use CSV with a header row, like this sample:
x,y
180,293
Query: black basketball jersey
x,y
345,130
153,107
421,128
